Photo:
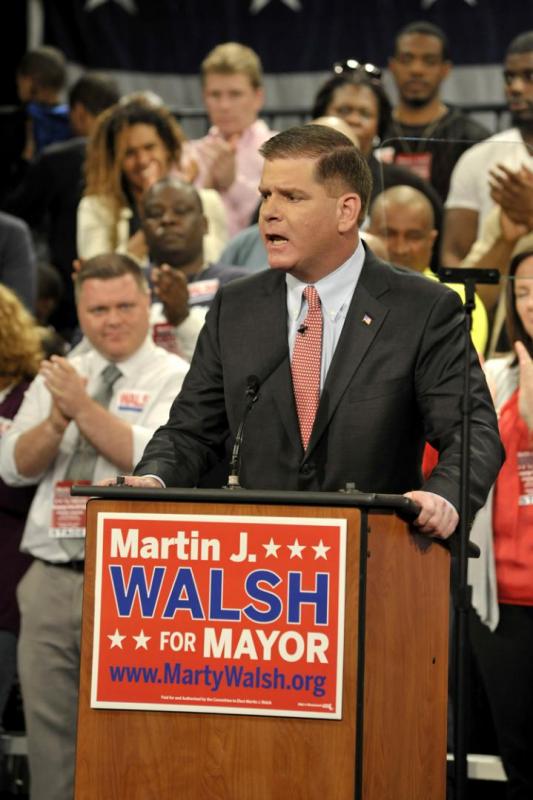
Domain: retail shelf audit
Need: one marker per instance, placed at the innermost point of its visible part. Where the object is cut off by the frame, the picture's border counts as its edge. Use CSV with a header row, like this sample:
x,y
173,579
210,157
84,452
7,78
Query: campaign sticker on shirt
x,y
164,335
202,292
68,513
419,163
5,425
132,400
525,476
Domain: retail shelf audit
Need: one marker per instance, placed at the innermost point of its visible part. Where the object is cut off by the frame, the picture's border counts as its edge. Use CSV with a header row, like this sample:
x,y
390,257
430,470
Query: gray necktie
x,y
83,461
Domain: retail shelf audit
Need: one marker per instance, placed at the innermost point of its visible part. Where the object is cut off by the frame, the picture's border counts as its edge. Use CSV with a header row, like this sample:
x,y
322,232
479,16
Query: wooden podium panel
x,y
140,755
391,740
406,664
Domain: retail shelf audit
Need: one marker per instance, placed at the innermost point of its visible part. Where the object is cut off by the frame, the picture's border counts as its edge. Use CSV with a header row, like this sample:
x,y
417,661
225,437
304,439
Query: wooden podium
x,y
391,741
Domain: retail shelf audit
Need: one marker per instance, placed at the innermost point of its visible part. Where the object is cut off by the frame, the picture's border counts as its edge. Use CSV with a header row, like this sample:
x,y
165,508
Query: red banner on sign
x,y
227,614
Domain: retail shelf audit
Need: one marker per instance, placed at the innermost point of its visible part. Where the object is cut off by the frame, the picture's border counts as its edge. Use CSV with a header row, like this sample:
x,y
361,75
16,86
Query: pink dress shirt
x,y
242,197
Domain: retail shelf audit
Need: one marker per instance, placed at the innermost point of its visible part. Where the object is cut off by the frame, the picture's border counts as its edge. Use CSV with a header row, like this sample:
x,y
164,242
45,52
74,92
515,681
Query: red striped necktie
x,y
306,364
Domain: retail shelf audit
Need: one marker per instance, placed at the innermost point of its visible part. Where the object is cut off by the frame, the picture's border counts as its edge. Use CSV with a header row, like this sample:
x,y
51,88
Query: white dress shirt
x,y
142,396
335,291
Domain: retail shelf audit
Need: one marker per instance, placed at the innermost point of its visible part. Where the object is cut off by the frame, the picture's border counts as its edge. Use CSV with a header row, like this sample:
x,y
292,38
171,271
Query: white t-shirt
x,y
469,186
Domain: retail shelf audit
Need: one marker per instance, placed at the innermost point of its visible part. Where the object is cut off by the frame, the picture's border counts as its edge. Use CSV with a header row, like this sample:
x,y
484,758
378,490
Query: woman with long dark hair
x,y
502,624
133,145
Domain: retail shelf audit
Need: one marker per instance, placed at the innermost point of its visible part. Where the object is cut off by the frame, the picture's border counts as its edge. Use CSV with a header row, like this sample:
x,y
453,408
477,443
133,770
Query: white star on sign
x,y
259,5
127,5
320,550
296,549
271,548
116,639
141,640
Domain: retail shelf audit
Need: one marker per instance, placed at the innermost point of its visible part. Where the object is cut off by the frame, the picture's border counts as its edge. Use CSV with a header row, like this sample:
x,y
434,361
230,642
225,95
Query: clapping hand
x,y
67,387
170,286
525,380
513,192
220,155
137,247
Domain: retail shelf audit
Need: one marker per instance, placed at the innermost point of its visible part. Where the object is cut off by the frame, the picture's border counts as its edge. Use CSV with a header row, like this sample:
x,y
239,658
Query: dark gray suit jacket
x,y
18,268
392,385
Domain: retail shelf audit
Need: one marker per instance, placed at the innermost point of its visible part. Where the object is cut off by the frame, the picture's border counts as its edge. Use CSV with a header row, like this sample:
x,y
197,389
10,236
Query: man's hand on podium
x,y
144,481
437,518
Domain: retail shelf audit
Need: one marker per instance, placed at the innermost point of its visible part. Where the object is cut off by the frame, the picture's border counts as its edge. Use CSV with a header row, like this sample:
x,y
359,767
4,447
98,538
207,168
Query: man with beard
x,y
496,170
419,66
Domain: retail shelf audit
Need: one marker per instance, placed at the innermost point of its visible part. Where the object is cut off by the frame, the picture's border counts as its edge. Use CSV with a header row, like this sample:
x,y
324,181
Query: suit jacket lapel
x,y
271,342
365,317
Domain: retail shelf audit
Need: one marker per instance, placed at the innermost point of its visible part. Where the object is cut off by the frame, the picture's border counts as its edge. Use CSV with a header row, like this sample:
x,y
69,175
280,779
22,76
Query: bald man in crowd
x,y
402,219
184,282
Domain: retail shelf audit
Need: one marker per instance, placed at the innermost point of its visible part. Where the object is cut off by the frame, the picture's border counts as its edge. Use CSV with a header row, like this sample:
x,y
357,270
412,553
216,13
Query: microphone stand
x,y
252,394
461,589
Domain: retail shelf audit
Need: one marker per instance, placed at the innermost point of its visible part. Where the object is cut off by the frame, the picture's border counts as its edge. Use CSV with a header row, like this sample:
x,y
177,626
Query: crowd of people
x,y
118,235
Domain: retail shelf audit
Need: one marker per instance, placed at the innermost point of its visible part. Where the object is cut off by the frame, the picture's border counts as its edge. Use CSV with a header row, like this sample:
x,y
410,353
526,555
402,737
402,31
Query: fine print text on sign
x,y
226,614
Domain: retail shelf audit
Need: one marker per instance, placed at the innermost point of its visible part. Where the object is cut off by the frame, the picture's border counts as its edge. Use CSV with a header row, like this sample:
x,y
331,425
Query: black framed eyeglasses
x,y
352,65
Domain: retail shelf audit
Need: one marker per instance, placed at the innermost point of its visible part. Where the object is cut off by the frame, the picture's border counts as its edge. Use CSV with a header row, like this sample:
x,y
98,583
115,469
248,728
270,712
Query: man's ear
x,y
259,98
445,69
348,210
392,66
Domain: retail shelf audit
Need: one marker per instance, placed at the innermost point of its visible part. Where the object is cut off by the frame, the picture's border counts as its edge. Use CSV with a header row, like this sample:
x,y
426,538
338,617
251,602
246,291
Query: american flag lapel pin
x,y
367,319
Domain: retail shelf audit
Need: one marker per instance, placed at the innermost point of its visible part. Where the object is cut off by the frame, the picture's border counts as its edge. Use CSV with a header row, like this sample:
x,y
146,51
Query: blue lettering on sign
x,y
216,609
317,597
184,596
137,587
263,596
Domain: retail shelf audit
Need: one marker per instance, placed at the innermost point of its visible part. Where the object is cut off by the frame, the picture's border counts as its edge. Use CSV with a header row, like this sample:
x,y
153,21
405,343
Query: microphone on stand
x,y
252,396
460,588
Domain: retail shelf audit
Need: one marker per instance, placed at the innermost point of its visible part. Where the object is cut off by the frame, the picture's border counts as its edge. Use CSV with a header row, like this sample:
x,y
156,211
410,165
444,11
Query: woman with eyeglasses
x,y
358,97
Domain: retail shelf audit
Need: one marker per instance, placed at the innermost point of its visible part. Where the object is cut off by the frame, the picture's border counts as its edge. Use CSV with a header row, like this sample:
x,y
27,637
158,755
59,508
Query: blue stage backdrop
x,y
159,44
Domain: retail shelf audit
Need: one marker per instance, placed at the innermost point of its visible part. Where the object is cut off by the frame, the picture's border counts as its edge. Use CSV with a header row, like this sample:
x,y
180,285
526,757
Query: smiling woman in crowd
x,y
134,145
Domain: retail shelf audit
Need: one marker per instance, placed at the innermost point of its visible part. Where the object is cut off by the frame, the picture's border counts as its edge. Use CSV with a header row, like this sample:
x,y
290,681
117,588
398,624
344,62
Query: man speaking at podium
x,y
348,363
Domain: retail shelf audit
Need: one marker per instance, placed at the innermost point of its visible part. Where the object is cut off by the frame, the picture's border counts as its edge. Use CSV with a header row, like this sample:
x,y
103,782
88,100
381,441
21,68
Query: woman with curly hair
x,y
133,145
20,356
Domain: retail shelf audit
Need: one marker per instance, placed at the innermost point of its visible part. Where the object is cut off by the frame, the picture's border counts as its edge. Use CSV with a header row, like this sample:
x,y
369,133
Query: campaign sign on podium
x,y
227,614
